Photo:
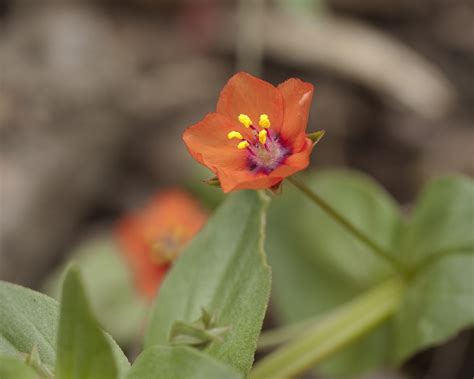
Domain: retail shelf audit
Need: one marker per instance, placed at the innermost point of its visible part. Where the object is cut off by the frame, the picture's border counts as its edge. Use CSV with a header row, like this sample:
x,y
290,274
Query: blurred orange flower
x,y
154,237
269,125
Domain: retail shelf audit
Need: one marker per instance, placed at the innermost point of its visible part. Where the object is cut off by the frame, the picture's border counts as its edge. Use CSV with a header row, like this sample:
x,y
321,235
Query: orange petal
x,y
150,278
237,180
136,252
295,162
297,96
246,94
170,208
208,143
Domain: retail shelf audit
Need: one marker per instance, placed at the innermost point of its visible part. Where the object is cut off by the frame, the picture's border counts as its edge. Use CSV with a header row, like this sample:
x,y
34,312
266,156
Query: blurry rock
x,y
386,375
62,49
49,183
170,86
454,27
448,151
74,100
364,55
387,9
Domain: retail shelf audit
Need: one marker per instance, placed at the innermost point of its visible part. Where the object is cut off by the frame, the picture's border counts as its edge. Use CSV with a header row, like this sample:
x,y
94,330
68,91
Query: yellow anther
x,y
262,136
243,145
245,120
234,134
264,121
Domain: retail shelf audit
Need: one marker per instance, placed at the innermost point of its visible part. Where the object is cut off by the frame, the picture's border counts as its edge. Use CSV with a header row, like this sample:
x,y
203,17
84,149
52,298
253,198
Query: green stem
x,y
341,220
277,336
332,333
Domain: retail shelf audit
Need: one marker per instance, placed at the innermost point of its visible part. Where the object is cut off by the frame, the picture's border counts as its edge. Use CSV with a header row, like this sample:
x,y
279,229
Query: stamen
x,y
245,120
243,145
234,134
264,121
262,136
262,147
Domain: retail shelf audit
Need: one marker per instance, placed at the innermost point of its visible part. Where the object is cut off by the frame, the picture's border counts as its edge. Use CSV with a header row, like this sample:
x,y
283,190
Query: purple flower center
x,y
265,149
264,158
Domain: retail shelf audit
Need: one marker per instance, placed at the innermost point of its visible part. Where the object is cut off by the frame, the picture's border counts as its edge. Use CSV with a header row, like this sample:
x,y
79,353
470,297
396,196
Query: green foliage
x,y
27,319
318,266
13,368
83,350
442,222
332,332
109,284
215,297
314,258
33,360
439,246
200,333
160,362
437,305
29,324
223,271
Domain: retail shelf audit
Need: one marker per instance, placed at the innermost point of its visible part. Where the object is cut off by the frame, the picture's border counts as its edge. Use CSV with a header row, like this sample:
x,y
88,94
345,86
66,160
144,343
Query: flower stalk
x,y
277,336
332,333
346,224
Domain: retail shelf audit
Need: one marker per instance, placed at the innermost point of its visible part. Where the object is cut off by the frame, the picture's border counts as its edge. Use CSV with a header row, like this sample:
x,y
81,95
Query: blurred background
x,y
94,96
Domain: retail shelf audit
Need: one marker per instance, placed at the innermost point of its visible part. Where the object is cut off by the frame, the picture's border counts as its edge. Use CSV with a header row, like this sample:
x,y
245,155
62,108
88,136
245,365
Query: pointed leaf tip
x,y
316,136
84,351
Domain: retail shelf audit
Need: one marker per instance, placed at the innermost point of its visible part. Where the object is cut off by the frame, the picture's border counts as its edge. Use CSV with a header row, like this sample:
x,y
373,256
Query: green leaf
x,y
442,222
317,266
438,304
83,349
224,271
109,283
160,362
439,245
13,368
329,267
27,319
364,203
332,332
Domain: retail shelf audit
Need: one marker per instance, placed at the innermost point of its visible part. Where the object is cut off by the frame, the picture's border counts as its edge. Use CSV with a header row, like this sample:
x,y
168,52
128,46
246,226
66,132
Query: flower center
x,y
265,149
167,246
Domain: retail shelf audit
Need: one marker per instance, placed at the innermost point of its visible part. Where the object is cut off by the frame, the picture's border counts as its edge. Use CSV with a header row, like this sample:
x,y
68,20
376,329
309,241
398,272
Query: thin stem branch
x,y
341,220
332,333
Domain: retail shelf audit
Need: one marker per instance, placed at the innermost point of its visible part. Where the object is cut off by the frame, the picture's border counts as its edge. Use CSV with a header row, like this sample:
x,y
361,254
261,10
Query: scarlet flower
x,y
269,124
155,236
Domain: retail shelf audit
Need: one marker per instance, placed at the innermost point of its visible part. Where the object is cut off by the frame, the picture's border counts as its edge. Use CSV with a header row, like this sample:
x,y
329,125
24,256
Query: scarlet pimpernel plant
x,y
265,154
351,275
